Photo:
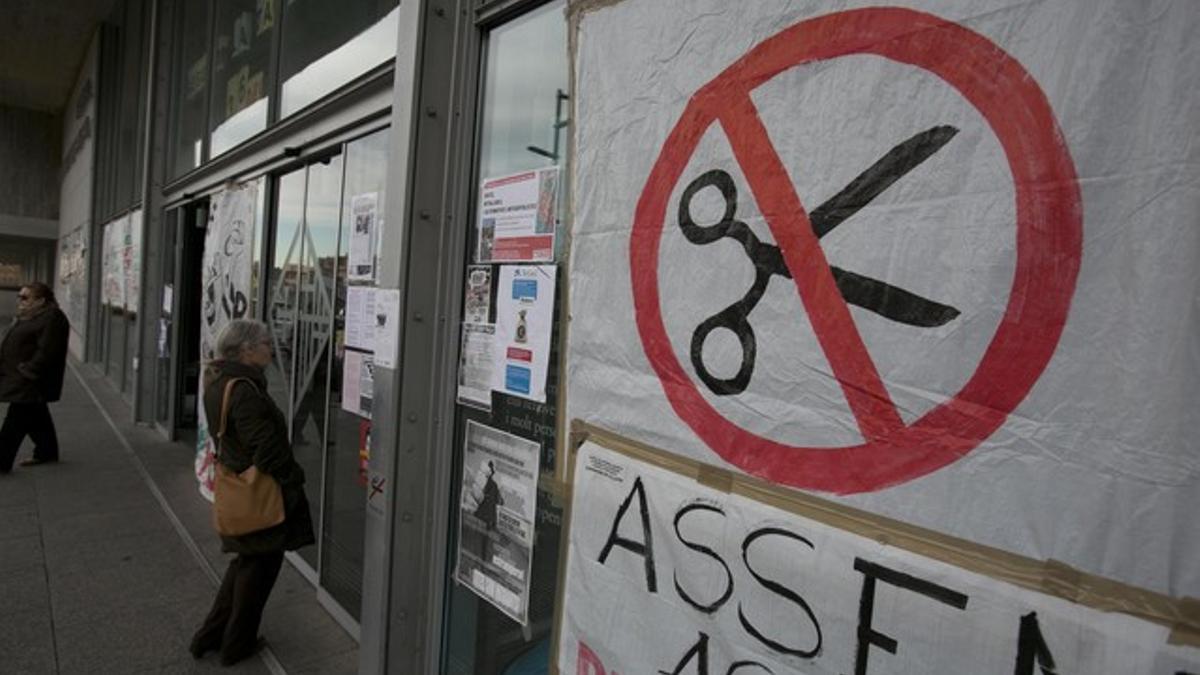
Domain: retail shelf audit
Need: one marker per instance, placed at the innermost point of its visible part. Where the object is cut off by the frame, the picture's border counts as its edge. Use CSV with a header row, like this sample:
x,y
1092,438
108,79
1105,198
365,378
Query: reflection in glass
x,y
281,309
314,322
525,77
327,44
345,472
190,87
256,253
241,61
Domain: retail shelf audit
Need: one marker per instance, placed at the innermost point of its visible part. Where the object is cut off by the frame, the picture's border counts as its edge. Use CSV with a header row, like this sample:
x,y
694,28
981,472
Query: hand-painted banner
x,y
112,264
665,575
225,294
927,258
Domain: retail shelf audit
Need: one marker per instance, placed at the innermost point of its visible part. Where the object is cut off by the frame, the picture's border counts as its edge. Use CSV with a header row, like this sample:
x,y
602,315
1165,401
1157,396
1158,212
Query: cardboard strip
x,y
1050,577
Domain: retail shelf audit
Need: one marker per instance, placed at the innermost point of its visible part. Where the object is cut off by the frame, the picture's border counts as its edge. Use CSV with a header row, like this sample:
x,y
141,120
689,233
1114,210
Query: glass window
x,y
256,253
523,126
314,324
284,279
129,143
345,465
327,44
242,40
190,87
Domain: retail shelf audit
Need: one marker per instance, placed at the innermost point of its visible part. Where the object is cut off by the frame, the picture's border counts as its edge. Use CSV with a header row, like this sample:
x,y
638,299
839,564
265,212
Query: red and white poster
x,y
517,217
937,260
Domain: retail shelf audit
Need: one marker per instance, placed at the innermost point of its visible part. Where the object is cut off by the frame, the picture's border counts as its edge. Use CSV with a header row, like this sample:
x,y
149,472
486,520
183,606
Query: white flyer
x,y
478,298
387,326
524,321
358,383
364,211
475,363
360,318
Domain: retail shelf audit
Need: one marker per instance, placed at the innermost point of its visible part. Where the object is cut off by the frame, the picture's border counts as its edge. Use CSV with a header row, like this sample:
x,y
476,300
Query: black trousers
x,y
232,623
27,419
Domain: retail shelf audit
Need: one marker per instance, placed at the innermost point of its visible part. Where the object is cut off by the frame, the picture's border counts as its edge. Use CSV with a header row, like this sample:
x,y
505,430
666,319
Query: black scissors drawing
x,y
871,294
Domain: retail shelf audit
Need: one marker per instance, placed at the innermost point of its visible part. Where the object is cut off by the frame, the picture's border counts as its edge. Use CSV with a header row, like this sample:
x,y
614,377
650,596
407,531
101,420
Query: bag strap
x,y
225,408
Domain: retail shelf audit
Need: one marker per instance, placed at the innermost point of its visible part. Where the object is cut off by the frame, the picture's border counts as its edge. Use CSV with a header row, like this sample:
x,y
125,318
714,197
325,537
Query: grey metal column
x,y
407,524
153,154
377,540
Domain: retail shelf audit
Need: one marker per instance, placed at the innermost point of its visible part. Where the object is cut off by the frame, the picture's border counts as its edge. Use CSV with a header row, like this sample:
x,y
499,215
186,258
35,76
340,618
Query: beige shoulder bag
x,y
243,502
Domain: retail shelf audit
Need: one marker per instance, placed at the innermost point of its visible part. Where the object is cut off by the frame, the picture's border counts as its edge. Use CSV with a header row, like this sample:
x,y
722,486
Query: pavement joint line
x,y
46,572
268,657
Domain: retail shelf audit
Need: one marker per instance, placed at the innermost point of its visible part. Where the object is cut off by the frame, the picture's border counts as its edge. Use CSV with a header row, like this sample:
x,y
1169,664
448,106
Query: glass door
x,y
352,384
522,126
324,386
301,312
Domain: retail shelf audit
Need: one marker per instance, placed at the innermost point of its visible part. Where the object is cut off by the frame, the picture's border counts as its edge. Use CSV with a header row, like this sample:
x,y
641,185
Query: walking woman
x,y
33,360
255,434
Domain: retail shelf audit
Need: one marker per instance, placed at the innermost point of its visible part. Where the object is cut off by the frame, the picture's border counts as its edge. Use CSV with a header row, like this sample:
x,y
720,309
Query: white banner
x,y
131,260
942,259
665,575
225,294
112,264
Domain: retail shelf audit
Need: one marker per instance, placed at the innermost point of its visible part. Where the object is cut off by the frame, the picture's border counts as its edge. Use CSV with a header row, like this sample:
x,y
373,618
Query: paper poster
x,y
363,211
358,382
517,217
479,294
906,257
224,294
364,452
496,518
387,326
113,274
168,299
667,575
131,261
475,364
164,334
360,318
524,321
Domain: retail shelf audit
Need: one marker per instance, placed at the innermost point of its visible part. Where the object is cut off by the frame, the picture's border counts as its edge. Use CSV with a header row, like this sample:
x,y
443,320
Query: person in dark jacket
x,y
256,433
33,360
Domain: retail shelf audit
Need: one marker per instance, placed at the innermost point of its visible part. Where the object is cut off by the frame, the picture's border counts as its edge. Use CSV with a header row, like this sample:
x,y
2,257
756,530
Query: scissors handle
x,y
732,318
706,234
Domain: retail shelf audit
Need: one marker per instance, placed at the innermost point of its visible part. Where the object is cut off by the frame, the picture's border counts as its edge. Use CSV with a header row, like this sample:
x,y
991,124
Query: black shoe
x,y
199,648
34,461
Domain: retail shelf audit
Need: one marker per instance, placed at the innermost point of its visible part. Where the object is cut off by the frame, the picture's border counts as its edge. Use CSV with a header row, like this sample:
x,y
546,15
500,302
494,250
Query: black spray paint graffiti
x,y
221,289
1033,655
871,294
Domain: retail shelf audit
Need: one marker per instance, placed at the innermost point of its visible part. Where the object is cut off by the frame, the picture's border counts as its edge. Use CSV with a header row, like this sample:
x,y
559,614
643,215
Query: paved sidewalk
x,y
108,561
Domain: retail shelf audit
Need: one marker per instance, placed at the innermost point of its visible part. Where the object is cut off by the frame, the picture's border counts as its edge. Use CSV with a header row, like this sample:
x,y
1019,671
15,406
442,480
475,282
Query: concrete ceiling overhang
x,y
42,46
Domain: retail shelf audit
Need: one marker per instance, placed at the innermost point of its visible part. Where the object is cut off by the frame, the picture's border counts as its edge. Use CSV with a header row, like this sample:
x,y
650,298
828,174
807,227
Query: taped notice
x,y
667,575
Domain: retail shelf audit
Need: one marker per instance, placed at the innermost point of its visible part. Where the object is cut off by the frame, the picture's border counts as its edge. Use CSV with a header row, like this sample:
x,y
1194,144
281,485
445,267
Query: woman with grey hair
x,y
255,434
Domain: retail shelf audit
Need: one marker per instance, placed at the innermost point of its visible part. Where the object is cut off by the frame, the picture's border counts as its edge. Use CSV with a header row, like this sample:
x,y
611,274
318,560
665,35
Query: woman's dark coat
x,y
33,358
256,432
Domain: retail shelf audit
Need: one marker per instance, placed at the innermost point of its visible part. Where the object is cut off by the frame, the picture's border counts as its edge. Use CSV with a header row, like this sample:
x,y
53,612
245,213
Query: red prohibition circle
x,y
1048,247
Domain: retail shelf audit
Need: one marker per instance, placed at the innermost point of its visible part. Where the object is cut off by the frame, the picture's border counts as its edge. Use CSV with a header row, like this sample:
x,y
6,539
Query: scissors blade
x,y
891,302
878,177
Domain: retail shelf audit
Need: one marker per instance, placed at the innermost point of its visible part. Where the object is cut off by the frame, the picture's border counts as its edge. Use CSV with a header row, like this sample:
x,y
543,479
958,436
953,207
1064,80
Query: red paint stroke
x,y
1048,222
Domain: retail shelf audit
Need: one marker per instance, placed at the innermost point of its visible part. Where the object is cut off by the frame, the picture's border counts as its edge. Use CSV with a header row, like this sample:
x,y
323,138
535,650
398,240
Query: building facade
x,y
354,174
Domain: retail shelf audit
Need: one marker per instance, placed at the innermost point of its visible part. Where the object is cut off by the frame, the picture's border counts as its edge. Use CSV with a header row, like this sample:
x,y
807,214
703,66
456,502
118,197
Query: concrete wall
x,y
30,150
74,195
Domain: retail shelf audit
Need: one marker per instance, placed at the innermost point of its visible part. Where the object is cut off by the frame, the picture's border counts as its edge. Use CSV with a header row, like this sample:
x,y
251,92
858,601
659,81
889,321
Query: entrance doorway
x,y
305,307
